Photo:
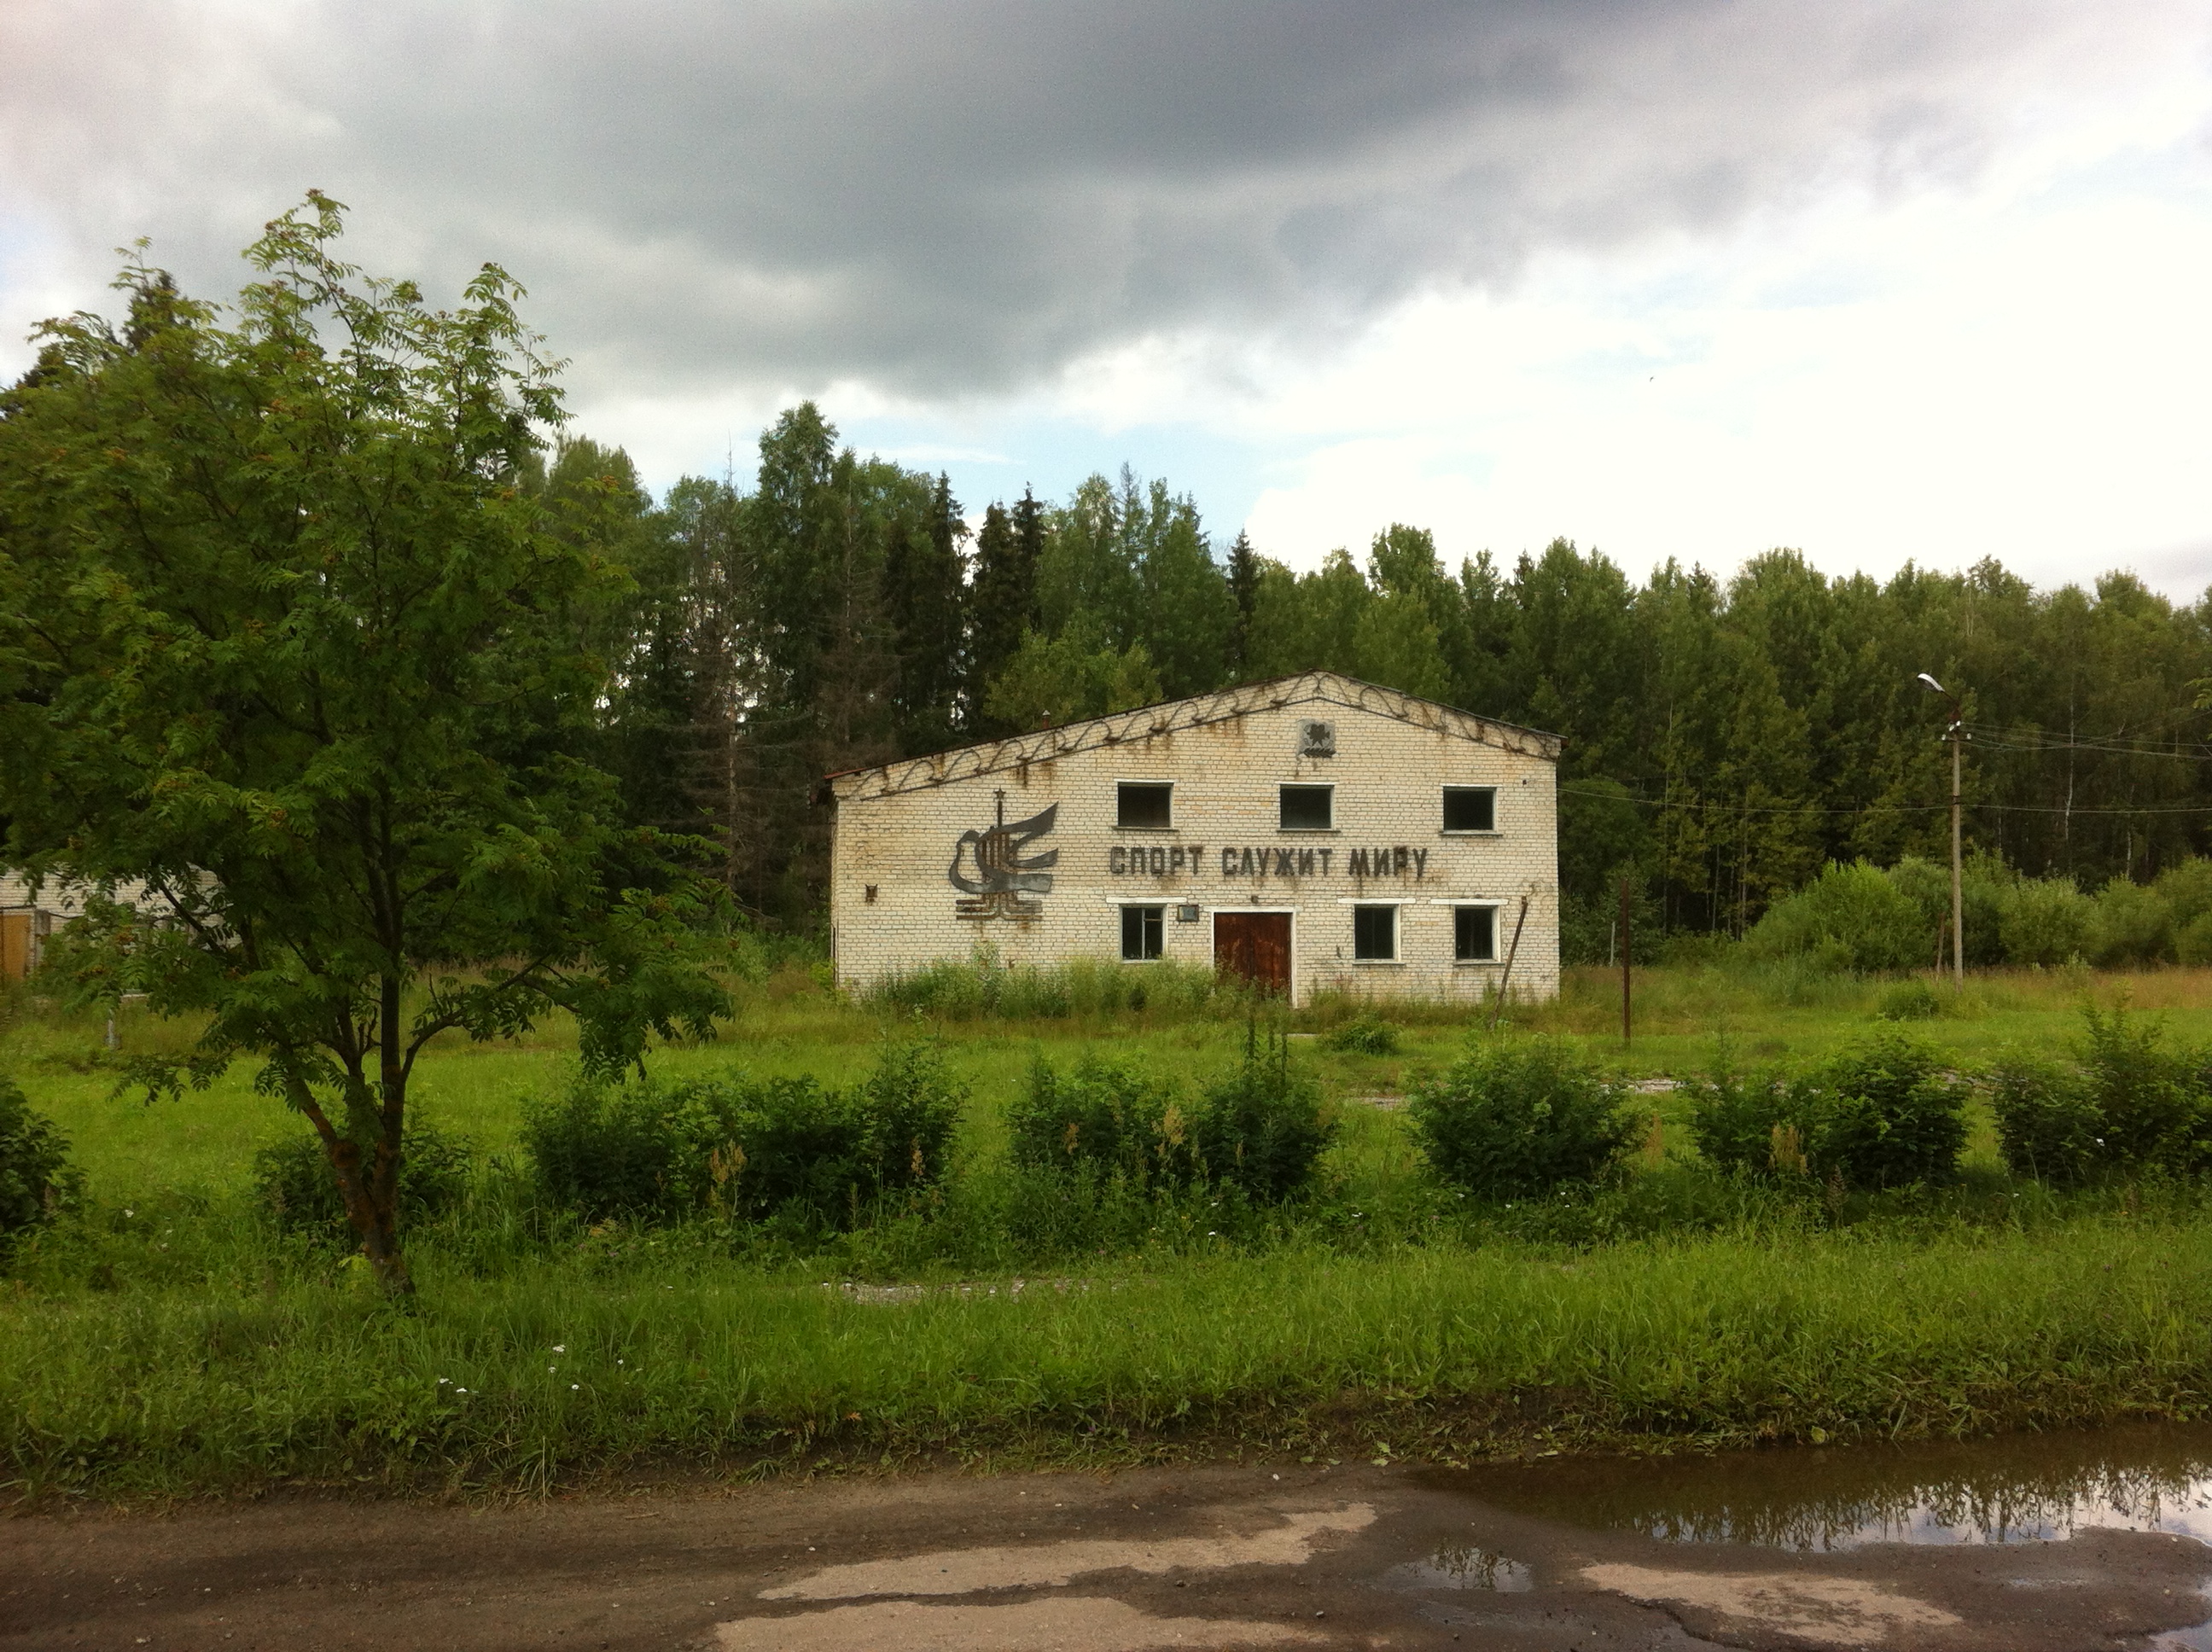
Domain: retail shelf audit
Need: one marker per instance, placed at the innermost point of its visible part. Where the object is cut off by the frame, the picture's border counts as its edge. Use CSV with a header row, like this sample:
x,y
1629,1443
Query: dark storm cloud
x,y
969,195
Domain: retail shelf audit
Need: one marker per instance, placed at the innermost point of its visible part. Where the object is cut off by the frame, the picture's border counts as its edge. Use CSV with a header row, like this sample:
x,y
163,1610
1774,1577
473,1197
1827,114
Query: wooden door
x,y
1255,945
15,945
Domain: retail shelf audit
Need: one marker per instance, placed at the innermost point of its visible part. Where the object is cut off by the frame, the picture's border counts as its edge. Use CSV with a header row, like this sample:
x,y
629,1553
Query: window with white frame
x,y
1143,931
1474,934
1470,808
1144,806
1308,808
1374,934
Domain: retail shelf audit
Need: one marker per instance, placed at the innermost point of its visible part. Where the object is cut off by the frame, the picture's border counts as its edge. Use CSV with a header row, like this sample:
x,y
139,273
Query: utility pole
x,y
1624,962
1956,734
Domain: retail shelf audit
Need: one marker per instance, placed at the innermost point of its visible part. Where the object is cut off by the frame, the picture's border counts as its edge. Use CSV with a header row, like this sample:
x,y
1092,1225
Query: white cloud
x,y
2018,370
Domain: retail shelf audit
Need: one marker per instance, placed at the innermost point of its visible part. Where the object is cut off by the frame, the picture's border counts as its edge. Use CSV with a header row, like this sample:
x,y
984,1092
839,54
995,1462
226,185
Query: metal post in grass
x,y
1625,955
1956,733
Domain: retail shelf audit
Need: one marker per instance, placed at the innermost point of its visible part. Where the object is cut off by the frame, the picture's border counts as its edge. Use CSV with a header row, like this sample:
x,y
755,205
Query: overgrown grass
x,y
573,1372
169,1338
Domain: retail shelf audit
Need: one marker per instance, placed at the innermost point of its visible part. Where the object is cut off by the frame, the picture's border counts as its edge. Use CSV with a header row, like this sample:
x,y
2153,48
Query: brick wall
x,y
897,832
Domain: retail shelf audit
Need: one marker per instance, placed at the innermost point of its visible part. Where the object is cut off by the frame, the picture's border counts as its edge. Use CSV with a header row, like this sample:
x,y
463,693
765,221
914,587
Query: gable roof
x,y
1121,728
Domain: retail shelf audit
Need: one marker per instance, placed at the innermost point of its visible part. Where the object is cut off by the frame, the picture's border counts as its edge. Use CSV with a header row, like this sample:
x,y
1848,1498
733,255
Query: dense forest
x,y
1726,739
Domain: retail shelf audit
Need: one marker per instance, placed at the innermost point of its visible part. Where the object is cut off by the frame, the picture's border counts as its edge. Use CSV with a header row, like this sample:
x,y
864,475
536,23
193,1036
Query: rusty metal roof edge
x,y
1145,722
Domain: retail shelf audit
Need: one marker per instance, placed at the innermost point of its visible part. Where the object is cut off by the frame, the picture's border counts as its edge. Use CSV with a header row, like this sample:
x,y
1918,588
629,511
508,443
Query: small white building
x,y
1311,833
30,918
25,922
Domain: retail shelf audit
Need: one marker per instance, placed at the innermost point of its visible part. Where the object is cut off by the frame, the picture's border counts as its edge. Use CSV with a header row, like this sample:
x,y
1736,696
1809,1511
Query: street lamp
x,y
1955,733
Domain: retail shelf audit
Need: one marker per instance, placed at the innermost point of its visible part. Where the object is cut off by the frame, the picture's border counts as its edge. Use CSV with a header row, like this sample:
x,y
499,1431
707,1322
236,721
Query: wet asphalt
x,y
1245,1556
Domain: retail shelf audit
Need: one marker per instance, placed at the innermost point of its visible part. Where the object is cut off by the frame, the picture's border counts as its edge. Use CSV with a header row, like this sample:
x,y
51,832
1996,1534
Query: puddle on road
x,y
1462,1567
2012,1489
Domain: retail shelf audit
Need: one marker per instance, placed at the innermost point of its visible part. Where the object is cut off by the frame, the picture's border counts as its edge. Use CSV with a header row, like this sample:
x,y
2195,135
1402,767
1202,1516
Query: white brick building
x,y
1313,833
25,923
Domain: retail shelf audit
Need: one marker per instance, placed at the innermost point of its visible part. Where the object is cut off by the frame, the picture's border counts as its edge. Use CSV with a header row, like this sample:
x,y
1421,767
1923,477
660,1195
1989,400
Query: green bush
x,y
2049,1126
1852,917
747,1150
1109,1117
636,1150
2130,924
1985,884
2154,1103
2186,889
293,1179
1911,999
911,1108
1882,1113
1260,1128
1367,1035
1512,1119
2192,941
2127,1103
1734,1118
36,1178
2044,921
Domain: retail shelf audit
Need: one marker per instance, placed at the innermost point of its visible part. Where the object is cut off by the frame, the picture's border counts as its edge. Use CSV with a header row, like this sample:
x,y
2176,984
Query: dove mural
x,y
1004,875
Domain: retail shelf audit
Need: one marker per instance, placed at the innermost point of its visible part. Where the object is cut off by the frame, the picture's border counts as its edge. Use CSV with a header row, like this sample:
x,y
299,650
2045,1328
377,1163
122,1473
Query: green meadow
x,y
166,1337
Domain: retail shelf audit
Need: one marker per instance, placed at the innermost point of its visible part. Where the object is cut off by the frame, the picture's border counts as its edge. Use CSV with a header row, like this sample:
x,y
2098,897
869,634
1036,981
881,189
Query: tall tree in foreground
x,y
282,634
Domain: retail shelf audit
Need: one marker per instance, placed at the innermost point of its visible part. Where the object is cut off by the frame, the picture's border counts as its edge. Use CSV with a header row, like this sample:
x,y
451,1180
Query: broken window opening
x,y
1144,806
1143,933
1308,808
1374,934
1470,808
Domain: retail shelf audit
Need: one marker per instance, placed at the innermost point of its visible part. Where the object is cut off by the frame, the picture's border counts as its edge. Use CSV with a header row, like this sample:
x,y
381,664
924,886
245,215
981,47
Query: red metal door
x,y
1256,946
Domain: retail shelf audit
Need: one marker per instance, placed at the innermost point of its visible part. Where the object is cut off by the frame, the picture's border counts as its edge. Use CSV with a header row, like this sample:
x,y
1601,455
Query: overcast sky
x,y
1689,280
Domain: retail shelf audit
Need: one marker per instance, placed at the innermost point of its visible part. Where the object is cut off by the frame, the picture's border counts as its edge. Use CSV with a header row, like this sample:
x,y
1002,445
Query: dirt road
x,y
1223,1556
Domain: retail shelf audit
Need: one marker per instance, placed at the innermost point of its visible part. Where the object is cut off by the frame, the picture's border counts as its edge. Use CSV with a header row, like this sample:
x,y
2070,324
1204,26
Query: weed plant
x,y
1081,989
36,1179
2128,1103
1520,1119
789,1148
1882,1112
1259,1130
1370,1035
1910,999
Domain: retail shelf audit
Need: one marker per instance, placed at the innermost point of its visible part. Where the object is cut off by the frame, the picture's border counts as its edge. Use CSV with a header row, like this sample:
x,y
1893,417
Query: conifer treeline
x,y
1725,738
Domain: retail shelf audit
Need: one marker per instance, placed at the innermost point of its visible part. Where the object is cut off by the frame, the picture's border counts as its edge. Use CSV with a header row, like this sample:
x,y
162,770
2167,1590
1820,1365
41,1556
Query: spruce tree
x,y
1244,573
999,608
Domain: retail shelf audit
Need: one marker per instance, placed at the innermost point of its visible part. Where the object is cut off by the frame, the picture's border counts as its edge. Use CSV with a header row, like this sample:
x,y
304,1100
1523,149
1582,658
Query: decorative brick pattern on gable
x,y
1013,847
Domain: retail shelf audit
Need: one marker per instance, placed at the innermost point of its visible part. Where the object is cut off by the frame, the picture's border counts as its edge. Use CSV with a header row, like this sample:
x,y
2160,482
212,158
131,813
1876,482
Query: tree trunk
x,y
381,1240
372,1205
370,1193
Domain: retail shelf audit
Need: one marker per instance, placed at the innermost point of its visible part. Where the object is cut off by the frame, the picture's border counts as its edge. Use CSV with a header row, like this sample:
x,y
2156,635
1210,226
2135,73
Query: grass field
x,y
165,1340
205,1141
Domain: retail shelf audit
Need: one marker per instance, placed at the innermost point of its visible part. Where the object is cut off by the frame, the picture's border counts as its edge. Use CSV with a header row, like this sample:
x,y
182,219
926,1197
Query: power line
x,y
1704,807
2038,739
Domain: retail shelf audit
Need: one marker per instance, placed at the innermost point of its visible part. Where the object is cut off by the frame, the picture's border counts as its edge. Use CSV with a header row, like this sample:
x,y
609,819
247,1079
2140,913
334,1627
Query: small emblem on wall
x,y
1004,875
1316,739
